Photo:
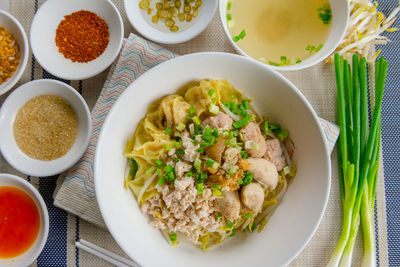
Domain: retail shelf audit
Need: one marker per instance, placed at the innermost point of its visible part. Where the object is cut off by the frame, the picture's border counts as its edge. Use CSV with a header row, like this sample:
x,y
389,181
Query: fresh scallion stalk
x,y
358,155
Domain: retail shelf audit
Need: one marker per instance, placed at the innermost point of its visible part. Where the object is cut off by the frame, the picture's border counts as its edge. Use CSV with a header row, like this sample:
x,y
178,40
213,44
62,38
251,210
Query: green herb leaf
x,y
133,169
325,13
167,130
161,181
173,237
159,163
200,188
229,224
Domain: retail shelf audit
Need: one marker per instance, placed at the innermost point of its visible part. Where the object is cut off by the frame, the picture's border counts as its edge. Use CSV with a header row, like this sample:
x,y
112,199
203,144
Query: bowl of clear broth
x,y
24,221
285,34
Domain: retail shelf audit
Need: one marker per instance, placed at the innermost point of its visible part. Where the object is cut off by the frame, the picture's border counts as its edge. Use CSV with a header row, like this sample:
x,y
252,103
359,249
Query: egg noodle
x,y
161,161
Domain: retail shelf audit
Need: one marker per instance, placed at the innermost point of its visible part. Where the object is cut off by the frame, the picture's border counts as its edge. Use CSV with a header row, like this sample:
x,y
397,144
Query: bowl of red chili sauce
x,y
24,221
74,39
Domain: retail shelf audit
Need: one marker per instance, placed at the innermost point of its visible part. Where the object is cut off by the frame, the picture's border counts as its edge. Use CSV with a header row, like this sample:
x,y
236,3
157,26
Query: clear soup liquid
x,y
276,28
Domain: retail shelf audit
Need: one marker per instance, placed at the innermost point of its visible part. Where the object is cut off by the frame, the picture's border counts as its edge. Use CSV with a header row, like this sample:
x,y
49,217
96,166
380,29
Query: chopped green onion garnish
x,y
284,61
215,132
210,162
192,111
310,48
217,192
286,170
206,137
241,35
233,232
198,129
171,177
244,154
200,188
247,178
325,13
217,186
246,104
212,91
167,130
232,170
197,164
159,171
177,144
272,63
204,144
151,170
180,152
161,181
176,159
181,126
208,130
133,169
282,135
173,237
229,224
219,216
158,163
229,6
201,150
196,120
248,215
168,168
241,123
274,127
298,61
214,109
168,147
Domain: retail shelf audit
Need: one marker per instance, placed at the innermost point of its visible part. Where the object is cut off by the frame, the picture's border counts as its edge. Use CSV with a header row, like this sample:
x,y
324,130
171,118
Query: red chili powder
x,y
82,36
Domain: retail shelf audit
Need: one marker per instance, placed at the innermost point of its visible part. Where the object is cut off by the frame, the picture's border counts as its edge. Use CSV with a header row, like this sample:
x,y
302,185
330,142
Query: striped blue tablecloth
x,y
55,251
391,135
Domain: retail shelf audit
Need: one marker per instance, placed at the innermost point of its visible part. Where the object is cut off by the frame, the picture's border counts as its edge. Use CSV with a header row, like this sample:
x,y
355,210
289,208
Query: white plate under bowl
x,y
135,17
295,220
9,148
43,33
33,252
15,28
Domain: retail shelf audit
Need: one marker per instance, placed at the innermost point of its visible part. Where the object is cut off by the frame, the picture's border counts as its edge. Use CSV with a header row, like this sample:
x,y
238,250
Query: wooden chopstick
x,y
104,254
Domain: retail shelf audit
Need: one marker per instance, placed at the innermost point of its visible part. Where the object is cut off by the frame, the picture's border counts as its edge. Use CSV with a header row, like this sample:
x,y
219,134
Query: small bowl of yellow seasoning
x,y
45,127
74,39
14,51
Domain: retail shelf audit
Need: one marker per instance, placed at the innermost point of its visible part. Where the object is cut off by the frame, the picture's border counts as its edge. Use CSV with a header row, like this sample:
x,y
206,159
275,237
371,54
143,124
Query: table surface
x,y
60,236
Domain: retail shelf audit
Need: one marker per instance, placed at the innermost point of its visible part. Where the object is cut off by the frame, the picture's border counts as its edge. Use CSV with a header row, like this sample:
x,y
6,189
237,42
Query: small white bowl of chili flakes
x,y
14,51
75,39
45,127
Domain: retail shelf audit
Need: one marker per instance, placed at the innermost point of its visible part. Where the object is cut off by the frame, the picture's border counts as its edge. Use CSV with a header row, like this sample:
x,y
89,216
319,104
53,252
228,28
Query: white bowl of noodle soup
x,y
295,220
